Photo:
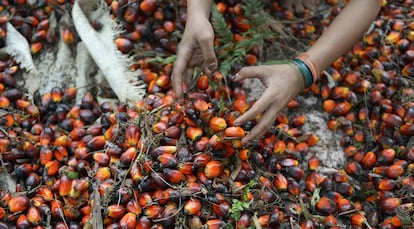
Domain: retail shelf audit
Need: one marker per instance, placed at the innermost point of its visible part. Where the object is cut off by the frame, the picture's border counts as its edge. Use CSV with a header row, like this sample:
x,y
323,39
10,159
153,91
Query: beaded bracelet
x,y
306,72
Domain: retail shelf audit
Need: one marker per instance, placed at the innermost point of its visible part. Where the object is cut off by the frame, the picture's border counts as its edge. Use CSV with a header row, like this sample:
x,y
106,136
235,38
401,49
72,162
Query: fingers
x,y
179,71
249,72
209,56
262,126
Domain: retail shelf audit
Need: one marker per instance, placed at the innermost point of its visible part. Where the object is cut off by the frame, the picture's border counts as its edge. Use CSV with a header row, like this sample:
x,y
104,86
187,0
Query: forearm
x,y
199,7
345,30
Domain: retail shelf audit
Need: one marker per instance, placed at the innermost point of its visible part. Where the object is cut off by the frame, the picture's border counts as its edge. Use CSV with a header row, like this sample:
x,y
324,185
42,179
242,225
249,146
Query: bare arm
x,y
345,30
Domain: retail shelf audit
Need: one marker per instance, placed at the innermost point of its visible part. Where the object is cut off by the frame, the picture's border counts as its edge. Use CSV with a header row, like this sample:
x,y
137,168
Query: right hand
x,y
195,49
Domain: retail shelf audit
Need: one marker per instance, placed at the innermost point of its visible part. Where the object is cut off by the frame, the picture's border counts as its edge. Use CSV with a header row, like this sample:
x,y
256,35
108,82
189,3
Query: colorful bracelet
x,y
306,58
306,72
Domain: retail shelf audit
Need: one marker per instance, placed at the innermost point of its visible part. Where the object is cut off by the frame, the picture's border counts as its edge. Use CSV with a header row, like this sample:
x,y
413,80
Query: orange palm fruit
x,y
358,219
61,154
134,207
280,182
2,212
36,47
52,167
203,82
194,133
18,203
234,132
328,105
96,143
192,206
217,123
128,221
393,37
65,185
132,135
213,169
45,155
240,105
103,173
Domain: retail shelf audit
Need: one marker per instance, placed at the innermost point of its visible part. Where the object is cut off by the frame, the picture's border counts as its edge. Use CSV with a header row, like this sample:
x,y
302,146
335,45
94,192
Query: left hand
x,y
283,82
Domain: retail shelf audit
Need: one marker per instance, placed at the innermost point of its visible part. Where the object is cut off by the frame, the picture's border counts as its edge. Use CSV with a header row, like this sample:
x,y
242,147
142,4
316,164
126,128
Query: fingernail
x,y
234,77
212,67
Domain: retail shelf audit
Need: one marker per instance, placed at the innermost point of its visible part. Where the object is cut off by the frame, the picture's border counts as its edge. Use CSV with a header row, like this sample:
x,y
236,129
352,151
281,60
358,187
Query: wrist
x,y
199,8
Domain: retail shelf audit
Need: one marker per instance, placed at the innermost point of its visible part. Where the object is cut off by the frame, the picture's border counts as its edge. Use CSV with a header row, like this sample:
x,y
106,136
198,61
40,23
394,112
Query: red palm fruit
x,y
128,221
279,147
201,105
222,209
22,222
168,160
148,5
203,82
134,207
326,206
131,12
217,123
132,135
369,160
344,205
280,182
2,213
194,133
103,173
330,221
282,118
4,102
328,105
173,132
392,120
18,203
61,154
192,206
159,127
341,108
163,149
116,211
124,45
293,187
214,224
407,129
52,167
386,185
102,159
128,156
386,155
96,143
45,155
390,203
250,59
394,171
174,176
213,169
22,104
313,163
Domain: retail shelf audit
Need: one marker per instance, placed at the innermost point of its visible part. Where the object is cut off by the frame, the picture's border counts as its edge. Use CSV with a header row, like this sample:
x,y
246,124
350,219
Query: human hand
x,y
195,49
283,82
